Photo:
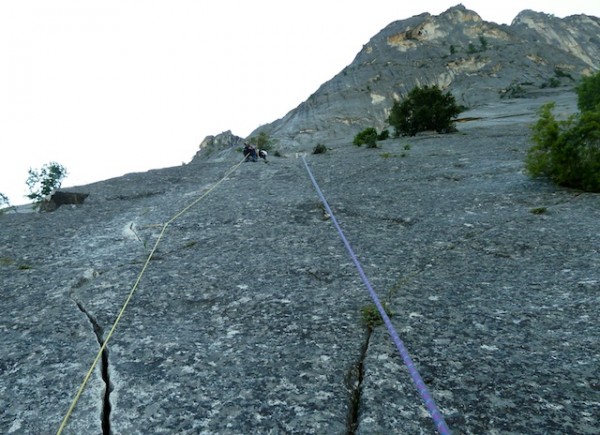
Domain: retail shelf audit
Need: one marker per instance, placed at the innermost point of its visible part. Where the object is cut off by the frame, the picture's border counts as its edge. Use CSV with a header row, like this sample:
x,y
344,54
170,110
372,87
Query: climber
x,y
263,155
250,153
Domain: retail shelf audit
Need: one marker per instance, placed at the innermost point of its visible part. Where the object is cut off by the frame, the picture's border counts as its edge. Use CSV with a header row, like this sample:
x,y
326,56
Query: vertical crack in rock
x,y
106,407
354,379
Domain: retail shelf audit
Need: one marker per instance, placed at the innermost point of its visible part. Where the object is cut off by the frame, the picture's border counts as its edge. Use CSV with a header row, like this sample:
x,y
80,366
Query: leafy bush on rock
x,y
368,136
426,108
567,152
319,149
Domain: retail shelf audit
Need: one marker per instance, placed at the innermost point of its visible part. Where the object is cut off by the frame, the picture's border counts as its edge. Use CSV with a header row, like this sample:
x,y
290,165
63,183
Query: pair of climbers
x,y
251,153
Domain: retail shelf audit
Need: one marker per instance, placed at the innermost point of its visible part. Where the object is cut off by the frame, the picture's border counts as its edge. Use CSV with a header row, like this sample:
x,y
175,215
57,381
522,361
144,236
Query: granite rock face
x,y
247,318
479,62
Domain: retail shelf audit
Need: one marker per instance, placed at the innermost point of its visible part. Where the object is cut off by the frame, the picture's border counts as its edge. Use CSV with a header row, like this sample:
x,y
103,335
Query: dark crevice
x,y
354,381
106,407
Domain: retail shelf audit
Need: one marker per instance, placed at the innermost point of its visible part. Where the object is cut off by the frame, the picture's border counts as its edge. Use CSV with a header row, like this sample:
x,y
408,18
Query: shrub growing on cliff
x,y
567,152
319,149
368,136
424,109
43,181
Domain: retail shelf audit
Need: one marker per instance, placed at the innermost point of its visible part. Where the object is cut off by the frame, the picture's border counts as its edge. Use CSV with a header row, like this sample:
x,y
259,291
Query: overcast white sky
x,y
109,87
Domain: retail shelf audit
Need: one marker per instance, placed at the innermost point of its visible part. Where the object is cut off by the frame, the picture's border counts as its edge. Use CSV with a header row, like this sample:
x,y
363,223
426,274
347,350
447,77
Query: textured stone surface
x,y
498,304
248,317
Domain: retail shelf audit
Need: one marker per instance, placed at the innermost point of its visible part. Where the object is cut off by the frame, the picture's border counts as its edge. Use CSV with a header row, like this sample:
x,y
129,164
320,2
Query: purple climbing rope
x,y
436,415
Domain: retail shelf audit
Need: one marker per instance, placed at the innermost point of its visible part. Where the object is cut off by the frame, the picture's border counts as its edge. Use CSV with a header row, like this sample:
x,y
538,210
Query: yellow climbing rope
x,y
133,289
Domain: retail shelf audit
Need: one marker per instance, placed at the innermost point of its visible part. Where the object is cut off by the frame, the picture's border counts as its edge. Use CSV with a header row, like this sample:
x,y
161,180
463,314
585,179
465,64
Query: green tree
x,y
423,109
567,152
588,93
41,182
368,136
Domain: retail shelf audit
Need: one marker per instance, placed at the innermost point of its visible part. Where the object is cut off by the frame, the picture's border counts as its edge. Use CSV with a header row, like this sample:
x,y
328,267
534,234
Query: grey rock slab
x,y
248,316
492,277
517,111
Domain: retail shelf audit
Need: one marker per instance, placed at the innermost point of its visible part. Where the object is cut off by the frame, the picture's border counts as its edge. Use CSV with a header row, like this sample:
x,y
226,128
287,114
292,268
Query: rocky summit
x,y
479,62
226,302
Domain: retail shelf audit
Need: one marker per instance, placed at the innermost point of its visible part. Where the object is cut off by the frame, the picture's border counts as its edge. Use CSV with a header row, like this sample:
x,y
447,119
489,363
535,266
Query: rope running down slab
x,y
133,289
436,415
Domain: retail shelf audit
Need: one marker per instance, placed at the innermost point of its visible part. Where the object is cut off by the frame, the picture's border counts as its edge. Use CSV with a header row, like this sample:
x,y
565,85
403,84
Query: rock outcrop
x,y
577,35
220,146
61,197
